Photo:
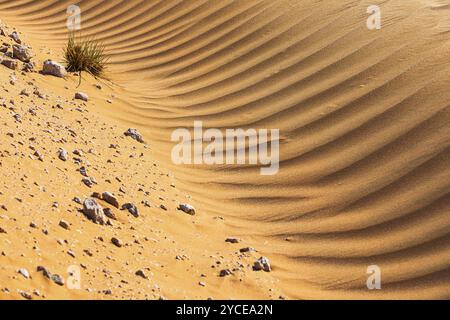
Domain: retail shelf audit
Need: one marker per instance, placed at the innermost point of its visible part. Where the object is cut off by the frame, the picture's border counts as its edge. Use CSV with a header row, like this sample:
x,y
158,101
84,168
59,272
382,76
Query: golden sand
x,y
364,122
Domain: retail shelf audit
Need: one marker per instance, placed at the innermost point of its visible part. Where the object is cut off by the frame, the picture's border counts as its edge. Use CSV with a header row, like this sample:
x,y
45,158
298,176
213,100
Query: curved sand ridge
x,y
364,121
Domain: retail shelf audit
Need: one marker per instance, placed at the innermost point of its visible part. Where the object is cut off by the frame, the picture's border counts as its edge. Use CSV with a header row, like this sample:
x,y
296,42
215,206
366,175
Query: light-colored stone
x,y
134,134
262,264
62,154
21,52
81,96
187,208
53,68
93,211
15,36
24,272
117,242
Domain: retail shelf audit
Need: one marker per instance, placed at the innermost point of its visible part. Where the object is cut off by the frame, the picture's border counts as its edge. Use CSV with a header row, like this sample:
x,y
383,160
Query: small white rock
x,y
81,96
24,272
53,68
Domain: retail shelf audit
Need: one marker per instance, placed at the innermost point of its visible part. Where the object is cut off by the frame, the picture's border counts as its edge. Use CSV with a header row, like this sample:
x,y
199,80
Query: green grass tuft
x,y
85,55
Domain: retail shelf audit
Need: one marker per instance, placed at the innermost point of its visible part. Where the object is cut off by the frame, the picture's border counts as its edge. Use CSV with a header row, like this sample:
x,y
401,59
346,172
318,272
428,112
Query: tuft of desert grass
x,y
85,54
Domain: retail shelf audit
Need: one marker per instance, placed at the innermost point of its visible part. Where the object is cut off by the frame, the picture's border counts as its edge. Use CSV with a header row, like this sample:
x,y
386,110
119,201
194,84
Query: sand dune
x,y
364,120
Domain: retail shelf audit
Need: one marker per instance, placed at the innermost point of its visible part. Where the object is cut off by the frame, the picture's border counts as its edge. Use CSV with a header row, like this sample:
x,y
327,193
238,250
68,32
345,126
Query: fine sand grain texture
x,y
364,120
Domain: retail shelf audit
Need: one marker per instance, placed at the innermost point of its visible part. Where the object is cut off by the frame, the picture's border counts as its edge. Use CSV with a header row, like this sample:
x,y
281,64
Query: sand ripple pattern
x,y
364,118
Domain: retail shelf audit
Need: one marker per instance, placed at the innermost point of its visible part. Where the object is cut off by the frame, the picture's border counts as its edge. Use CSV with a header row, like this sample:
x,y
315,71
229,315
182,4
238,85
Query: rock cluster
x,y
86,227
262,264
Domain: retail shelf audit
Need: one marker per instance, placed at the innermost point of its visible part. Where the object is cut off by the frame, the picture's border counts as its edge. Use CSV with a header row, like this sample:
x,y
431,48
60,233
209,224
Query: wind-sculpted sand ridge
x,y
364,120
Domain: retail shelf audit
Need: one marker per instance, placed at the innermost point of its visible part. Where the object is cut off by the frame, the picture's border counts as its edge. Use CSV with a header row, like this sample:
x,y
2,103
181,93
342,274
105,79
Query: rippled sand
x,y
364,123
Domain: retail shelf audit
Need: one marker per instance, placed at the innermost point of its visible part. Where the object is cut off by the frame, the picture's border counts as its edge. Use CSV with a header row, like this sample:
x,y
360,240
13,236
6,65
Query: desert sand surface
x,y
364,120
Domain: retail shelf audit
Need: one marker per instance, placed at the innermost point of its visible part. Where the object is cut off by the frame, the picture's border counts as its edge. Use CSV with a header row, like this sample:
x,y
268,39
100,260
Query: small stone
x,y
110,198
187,208
87,181
62,154
28,67
12,79
63,224
117,242
53,277
134,134
232,240
93,211
26,295
141,273
24,272
225,272
131,209
78,152
262,264
15,36
39,155
36,92
146,203
56,278
44,271
22,53
247,249
11,64
83,171
108,212
53,68
96,195
17,117
81,96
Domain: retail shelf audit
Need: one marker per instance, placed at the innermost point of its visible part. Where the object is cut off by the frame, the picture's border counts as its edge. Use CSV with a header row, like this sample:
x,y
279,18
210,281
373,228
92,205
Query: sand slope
x,y
364,119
